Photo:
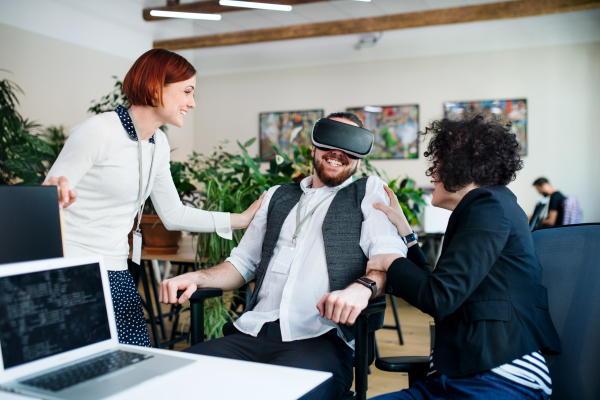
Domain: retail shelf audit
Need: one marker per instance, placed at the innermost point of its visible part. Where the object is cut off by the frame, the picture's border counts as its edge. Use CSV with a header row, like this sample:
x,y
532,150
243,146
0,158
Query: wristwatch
x,y
409,238
370,284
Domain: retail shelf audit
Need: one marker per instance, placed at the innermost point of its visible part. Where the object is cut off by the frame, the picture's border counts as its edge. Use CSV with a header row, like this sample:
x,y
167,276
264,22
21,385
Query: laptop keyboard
x,y
72,375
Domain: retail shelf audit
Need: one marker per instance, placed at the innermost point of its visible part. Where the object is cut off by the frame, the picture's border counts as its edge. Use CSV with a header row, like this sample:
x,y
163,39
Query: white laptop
x,y
58,337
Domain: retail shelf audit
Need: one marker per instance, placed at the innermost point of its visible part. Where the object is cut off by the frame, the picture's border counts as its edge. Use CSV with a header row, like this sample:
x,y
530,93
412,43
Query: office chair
x,y
571,273
364,352
536,222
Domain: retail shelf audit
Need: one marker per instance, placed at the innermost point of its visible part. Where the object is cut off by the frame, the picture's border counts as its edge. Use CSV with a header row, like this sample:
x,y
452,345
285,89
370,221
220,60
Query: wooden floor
x,y
415,331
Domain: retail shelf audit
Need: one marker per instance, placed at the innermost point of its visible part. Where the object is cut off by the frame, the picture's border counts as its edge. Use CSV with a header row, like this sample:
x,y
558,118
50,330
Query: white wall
x,y
561,84
61,79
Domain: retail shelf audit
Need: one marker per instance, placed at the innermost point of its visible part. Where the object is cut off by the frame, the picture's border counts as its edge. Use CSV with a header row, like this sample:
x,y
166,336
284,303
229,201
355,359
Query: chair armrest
x,y
203,293
197,311
403,364
372,308
417,367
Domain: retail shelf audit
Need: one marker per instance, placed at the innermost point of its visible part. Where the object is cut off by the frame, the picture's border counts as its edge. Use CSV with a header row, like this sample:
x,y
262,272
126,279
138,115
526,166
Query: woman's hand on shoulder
x,y
394,213
66,197
242,221
381,262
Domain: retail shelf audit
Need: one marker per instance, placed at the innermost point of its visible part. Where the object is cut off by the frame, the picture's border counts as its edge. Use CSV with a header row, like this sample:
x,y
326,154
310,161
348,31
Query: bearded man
x,y
307,248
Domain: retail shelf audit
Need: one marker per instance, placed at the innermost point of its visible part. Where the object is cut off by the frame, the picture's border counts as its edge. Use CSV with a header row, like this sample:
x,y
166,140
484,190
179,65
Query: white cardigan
x,y
101,162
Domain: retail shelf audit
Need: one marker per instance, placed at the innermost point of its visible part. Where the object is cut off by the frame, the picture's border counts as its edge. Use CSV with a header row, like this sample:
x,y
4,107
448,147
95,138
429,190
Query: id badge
x,y
136,256
284,260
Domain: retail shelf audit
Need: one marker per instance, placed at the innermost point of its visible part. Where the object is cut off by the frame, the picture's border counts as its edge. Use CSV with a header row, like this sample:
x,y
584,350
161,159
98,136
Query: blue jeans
x,y
483,385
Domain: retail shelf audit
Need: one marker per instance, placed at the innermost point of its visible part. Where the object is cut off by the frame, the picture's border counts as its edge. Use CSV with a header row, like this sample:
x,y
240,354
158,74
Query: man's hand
x,y
344,306
169,287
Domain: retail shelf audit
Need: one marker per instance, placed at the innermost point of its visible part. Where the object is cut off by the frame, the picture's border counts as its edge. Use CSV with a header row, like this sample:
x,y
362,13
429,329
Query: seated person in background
x,y
555,206
485,294
307,246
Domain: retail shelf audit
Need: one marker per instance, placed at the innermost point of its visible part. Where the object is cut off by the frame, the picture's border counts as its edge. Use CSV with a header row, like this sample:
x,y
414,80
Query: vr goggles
x,y
329,134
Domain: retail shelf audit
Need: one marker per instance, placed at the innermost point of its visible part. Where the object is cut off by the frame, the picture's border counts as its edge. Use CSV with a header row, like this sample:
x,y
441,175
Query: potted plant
x,y
155,236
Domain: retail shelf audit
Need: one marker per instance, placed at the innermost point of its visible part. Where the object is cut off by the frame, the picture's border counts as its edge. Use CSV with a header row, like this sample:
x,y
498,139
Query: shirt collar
x,y
128,123
306,185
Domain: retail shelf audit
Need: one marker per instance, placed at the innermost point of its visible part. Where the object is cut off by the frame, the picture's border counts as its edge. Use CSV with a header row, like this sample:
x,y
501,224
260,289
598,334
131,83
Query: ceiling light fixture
x,y
187,15
262,6
366,1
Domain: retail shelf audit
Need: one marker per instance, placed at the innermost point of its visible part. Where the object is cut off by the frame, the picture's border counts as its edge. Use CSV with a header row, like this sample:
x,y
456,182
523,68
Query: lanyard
x,y
300,223
141,198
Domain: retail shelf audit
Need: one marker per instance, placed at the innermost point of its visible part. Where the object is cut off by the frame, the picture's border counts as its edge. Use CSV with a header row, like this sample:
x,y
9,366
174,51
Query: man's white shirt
x,y
292,298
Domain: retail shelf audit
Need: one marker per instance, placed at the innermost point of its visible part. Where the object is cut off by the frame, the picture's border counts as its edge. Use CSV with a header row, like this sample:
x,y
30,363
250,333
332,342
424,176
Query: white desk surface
x,y
220,378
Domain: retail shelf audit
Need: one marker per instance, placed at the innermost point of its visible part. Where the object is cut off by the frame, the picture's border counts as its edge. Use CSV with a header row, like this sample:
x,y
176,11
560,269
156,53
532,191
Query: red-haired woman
x,y
113,161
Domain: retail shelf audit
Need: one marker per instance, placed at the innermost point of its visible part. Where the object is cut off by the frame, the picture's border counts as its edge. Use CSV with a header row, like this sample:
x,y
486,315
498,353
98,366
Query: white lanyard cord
x,y
300,223
141,198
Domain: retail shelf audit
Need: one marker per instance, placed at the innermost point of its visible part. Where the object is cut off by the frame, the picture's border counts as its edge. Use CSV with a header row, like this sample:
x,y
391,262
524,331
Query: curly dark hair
x,y
474,149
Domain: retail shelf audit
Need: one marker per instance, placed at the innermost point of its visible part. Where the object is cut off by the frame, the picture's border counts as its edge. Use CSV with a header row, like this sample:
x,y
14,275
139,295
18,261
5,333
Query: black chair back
x,y
29,224
570,259
535,221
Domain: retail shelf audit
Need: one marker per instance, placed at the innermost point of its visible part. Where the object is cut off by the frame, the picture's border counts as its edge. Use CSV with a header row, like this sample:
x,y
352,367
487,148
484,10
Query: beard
x,y
333,181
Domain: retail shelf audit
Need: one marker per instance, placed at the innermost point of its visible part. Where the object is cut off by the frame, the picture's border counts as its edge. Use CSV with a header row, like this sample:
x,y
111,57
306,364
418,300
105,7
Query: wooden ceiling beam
x,y
483,12
213,7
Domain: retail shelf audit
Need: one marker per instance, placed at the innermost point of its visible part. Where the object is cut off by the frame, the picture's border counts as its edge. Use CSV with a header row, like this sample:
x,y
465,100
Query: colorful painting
x,y
395,128
514,111
285,128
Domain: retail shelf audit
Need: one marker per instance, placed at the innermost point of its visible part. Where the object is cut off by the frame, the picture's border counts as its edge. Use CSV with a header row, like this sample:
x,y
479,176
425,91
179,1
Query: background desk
x,y
220,378
150,275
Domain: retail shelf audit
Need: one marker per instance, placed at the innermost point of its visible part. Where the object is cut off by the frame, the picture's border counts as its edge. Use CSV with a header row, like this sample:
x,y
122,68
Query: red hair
x,y
156,68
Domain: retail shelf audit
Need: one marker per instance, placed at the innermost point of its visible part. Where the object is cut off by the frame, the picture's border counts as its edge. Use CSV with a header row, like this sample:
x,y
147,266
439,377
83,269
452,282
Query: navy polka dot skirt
x,y
131,323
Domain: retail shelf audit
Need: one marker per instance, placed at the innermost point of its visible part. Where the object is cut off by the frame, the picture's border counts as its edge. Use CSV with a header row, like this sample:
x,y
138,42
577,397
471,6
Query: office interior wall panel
x,y
60,80
561,85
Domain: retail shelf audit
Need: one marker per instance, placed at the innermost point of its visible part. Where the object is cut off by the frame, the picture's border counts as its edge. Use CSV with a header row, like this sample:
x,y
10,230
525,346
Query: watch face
x,y
367,280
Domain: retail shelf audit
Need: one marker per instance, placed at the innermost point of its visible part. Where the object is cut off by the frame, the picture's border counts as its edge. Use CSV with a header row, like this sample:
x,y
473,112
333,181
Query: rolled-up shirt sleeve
x,y
222,224
379,235
246,256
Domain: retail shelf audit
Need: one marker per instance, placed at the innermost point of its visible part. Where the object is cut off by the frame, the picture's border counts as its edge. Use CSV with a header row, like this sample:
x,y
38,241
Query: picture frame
x,y
395,128
286,128
514,110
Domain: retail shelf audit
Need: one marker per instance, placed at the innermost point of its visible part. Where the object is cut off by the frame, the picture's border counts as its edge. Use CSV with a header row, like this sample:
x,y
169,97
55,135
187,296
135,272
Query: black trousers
x,y
326,353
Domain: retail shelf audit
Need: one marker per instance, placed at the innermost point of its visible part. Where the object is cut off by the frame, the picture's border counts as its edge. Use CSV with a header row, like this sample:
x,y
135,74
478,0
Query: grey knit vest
x,y
341,229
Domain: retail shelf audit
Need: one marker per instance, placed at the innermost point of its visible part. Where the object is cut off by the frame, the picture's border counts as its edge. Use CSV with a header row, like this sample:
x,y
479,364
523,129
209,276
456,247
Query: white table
x,y
223,379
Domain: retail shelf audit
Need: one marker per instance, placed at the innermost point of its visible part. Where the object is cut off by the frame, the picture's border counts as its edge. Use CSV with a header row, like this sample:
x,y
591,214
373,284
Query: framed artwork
x,y
395,128
286,128
514,111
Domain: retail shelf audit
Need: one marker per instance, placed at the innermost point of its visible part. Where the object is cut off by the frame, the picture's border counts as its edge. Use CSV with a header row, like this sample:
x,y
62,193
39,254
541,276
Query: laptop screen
x,y
51,312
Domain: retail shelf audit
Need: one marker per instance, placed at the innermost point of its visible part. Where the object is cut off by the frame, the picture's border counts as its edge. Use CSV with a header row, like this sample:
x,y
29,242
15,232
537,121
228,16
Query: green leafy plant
x,y
25,157
410,199
231,183
111,101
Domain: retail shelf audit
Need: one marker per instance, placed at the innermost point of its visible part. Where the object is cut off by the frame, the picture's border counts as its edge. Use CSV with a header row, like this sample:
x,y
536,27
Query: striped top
x,y
530,371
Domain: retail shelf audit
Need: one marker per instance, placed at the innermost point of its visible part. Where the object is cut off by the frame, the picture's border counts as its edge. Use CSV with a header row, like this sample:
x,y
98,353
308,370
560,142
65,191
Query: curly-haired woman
x,y
485,294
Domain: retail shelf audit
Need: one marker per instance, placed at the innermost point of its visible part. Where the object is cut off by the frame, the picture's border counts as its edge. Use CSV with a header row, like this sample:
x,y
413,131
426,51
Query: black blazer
x,y
485,293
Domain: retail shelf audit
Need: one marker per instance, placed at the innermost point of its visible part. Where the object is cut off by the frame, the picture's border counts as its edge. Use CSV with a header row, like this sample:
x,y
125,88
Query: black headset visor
x,y
329,134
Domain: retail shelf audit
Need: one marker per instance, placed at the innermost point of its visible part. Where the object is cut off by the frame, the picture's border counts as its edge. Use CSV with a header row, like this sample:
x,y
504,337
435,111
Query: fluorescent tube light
x,y
248,4
175,14
366,1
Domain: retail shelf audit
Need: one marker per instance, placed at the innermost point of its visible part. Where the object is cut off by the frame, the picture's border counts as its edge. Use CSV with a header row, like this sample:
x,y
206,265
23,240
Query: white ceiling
x,y
116,27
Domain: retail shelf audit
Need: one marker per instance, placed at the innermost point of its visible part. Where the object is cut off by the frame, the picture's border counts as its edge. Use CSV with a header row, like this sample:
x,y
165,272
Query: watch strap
x,y
409,238
370,284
